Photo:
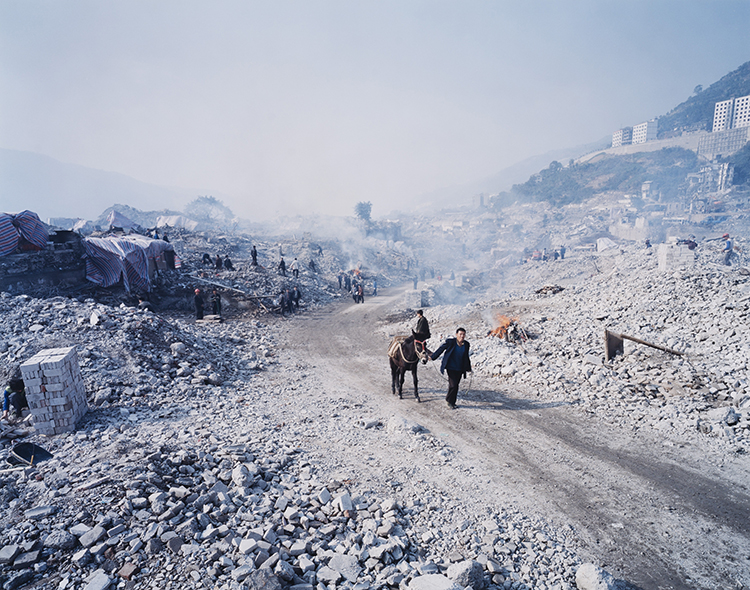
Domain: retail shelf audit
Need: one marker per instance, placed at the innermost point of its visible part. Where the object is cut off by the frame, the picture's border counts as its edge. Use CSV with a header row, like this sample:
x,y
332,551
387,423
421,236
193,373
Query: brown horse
x,y
404,354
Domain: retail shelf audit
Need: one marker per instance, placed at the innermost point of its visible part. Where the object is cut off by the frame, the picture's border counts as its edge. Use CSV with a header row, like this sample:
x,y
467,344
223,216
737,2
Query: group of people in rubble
x,y
155,235
354,283
199,304
218,263
544,256
690,242
294,267
288,300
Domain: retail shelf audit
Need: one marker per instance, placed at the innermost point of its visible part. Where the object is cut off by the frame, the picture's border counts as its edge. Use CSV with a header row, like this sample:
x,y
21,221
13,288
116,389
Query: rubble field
x,y
268,452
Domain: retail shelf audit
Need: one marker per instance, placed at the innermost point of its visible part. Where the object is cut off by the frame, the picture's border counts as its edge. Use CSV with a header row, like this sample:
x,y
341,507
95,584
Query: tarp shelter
x,y
84,227
176,221
603,244
23,230
130,259
117,219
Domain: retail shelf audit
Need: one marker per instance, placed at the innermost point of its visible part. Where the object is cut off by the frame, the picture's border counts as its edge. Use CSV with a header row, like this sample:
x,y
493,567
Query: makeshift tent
x,y
604,244
84,227
117,219
24,230
132,259
176,221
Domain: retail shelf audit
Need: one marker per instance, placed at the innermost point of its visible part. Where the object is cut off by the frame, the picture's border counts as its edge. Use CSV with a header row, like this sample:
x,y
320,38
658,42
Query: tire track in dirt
x,y
662,518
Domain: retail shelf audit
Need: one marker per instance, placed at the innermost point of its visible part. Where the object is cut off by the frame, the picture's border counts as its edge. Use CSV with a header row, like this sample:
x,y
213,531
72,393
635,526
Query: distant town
x,y
729,133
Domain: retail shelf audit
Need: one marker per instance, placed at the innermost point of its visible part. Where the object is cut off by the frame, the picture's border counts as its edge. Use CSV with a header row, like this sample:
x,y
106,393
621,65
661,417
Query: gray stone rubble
x,y
698,309
181,476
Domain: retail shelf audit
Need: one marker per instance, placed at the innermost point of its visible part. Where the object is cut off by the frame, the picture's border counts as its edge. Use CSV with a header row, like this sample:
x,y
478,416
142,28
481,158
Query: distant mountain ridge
x,y
57,189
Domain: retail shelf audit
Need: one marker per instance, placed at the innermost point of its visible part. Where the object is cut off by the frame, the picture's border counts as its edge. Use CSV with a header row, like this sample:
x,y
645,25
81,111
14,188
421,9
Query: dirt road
x,y
658,514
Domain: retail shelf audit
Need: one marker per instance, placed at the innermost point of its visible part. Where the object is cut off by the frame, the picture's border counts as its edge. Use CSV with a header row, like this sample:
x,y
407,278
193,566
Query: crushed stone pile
x,y
126,353
697,309
184,474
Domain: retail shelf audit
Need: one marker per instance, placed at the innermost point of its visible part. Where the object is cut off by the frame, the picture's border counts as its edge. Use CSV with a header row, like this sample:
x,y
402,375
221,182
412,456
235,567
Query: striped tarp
x,y
8,235
26,225
31,228
110,260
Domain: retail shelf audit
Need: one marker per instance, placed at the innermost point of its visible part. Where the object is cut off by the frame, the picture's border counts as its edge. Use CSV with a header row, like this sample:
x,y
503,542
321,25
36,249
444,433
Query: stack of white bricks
x,y
54,390
672,257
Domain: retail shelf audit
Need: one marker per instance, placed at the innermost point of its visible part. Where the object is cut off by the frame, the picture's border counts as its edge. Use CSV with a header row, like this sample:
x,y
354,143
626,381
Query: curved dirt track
x,y
657,514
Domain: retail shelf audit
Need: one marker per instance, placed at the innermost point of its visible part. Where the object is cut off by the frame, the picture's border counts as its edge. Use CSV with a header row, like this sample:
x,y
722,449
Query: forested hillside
x,y
564,185
697,112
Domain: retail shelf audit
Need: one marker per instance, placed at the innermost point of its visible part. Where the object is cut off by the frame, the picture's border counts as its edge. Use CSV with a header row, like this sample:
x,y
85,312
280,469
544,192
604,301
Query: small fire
x,y
504,322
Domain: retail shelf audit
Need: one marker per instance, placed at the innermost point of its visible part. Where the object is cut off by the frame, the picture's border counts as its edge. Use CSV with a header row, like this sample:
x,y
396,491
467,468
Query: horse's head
x,y
423,353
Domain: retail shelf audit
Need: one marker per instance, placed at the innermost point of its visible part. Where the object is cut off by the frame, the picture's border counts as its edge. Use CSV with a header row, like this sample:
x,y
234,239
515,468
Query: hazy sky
x,y
312,106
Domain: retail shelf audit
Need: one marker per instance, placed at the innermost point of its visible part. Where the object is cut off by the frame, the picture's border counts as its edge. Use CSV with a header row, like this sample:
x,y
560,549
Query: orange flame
x,y
504,322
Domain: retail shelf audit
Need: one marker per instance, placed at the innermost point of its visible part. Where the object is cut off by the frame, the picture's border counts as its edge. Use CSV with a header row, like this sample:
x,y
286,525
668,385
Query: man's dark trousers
x,y
454,378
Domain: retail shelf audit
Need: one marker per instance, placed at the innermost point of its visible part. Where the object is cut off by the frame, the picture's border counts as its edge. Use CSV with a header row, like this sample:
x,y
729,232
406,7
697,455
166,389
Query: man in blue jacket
x,y
456,362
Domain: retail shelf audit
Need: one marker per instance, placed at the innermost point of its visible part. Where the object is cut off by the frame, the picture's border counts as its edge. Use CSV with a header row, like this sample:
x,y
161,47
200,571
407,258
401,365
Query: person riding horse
x,y
422,333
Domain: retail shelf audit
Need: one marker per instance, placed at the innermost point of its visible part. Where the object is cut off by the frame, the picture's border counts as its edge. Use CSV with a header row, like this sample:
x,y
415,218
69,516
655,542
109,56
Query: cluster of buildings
x,y
731,128
640,133
732,114
730,132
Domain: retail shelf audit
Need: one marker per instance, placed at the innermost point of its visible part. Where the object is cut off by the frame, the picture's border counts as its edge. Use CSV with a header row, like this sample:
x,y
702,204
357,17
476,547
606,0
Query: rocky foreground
x,y
194,468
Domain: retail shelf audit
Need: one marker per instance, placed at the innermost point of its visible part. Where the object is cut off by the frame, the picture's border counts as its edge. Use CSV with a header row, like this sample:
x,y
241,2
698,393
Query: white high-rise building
x,y
723,115
741,117
622,137
644,132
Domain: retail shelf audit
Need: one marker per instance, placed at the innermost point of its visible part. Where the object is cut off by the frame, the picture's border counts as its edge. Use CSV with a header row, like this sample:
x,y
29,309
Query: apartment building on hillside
x,y
644,132
732,114
622,136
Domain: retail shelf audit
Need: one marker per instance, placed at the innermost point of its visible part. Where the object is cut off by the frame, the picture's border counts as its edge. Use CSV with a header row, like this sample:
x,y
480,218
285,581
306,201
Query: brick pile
x,y
54,390
673,256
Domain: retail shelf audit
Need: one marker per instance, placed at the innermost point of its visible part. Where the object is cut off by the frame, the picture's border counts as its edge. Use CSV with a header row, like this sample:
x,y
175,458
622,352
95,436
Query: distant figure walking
x,y
254,254
219,262
198,303
727,250
294,266
216,303
228,264
374,287
282,268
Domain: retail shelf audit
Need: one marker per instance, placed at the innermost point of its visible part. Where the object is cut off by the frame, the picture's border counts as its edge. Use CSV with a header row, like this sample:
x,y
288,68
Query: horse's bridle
x,y
423,353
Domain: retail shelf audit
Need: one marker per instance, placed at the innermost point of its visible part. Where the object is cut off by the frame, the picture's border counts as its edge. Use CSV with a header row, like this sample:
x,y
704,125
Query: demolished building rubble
x,y
697,310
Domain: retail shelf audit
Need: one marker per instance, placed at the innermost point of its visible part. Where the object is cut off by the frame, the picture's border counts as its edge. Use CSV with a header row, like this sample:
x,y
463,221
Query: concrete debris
x,y
592,577
193,470
697,311
237,504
